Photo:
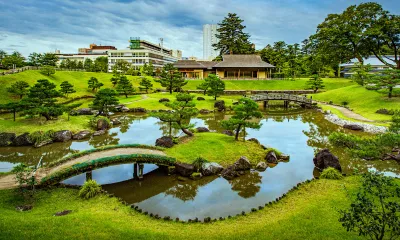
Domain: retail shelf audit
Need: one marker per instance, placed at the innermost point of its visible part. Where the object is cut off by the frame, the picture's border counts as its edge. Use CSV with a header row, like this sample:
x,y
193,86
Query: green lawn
x,y
362,101
307,213
216,147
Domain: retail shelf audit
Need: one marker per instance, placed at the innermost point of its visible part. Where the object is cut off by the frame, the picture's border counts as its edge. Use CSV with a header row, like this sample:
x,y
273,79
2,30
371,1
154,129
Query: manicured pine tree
x,y
389,79
146,84
94,84
315,83
103,100
125,86
203,86
19,88
67,88
47,70
114,80
216,86
171,78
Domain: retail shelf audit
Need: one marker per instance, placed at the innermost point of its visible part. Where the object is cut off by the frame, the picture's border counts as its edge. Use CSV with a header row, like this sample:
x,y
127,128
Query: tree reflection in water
x,y
247,185
104,140
184,191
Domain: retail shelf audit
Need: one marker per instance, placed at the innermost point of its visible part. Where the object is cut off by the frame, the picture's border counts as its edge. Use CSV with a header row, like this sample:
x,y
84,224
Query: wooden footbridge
x,y
287,98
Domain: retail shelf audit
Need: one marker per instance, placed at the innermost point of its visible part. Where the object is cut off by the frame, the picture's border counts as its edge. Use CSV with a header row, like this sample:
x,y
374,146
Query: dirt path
x,y
9,181
144,97
350,114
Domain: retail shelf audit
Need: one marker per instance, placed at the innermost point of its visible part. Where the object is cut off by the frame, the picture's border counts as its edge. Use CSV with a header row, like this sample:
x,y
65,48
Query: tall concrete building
x,y
209,38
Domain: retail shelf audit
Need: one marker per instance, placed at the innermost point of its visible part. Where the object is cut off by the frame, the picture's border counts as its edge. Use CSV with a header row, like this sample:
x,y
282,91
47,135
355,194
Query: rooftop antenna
x,y
161,41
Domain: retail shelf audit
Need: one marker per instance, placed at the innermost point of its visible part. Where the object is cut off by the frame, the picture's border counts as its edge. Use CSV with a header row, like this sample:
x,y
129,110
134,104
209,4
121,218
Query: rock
x,y
200,99
184,169
163,100
62,136
324,159
261,166
125,109
284,158
202,129
22,140
204,111
228,132
229,173
7,139
84,111
254,140
62,213
271,157
138,110
182,179
100,132
384,111
43,143
220,105
102,124
115,121
165,141
195,176
23,208
81,135
208,169
354,127
242,164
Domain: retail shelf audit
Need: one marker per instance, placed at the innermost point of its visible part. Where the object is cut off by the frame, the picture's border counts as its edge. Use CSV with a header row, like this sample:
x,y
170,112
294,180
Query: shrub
x,y
395,125
345,103
331,173
40,136
198,163
94,120
89,189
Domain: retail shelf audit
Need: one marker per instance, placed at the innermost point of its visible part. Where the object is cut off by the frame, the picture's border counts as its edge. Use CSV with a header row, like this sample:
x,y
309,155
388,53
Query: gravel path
x,y
9,181
350,114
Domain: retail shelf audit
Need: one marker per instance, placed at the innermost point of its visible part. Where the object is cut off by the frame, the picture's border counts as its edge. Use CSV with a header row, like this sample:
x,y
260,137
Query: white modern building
x,y
374,62
209,38
91,53
141,52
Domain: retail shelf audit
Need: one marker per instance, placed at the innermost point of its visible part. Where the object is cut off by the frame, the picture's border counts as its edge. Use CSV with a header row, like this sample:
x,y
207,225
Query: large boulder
x,y
208,169
200,99
163,100
7,139
261,166
84,111
43,143
354,127
102,124
165,141
115,122
228,132
184,169
204,111
81,135
220,105
324,159
242,164
202,129
254,140
271,157
229,173
23,140
100,132
125,109
62,136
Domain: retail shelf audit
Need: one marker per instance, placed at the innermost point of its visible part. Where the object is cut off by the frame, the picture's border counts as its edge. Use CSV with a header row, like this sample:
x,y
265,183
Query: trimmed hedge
x,y
86,152
103,162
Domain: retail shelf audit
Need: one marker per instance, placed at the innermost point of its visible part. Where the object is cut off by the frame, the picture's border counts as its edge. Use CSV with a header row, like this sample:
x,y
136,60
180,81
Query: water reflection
x,y
248,185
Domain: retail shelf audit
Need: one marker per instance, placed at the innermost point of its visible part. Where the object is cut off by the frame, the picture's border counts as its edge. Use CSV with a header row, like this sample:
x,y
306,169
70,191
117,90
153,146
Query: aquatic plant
x,y
89,189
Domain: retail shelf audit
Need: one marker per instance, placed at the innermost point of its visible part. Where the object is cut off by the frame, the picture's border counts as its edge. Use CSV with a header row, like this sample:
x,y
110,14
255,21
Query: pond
x,y
295,132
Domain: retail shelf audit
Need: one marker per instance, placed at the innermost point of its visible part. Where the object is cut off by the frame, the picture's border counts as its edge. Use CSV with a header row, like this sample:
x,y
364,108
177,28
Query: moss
x,y
276,151
331,173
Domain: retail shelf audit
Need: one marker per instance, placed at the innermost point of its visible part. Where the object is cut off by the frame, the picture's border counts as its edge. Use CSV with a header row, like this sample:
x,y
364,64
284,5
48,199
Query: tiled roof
x,y
189,64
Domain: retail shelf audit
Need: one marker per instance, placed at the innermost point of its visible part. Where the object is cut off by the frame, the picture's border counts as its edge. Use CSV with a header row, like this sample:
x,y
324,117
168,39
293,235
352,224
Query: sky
x,y
46,25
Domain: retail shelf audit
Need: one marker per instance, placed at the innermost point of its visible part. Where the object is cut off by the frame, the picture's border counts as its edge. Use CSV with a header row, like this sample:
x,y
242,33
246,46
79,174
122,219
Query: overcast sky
x,y
46,25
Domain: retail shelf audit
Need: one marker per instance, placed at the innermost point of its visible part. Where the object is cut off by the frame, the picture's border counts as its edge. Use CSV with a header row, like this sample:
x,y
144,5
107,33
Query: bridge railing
x,y
281,96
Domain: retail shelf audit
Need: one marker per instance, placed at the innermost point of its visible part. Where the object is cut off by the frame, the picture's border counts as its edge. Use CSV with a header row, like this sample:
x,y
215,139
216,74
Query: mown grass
x,y
307,213
362,101
216,147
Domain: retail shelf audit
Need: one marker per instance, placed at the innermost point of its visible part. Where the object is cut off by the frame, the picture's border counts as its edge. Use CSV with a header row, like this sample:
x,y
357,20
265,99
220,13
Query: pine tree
x,y
146,84
216,86
19,88
67,88
315,83
114,80
125,86
232,39
103,100
171,78
94,84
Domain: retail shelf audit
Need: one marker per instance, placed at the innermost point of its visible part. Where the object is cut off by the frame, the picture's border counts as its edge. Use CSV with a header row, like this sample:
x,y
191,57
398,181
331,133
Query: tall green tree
x,y
115,78
67,88
315,83
88,65
244,112
101,64
121,66
232,39
388,79
183,110
15,59
19,88
47,70
104,99
361,73
146,84
216,86
125,86
171,78
42,98
147,69
203,86
48,59
34,59
94,84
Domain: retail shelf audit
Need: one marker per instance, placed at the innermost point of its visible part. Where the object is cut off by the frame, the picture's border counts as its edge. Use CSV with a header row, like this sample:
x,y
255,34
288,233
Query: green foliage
x,y
388,79
244,112
215,85
101,64
315,83
145,84
94,120
15,59
121,66
361,73
19,88
48,59
67,88
89,189
104,99
331,173
232,39
203,86
395,125
125,86
47,70
171,78
198,163
375,209
25,179
41,136
94,84
114,80
147,69
88,65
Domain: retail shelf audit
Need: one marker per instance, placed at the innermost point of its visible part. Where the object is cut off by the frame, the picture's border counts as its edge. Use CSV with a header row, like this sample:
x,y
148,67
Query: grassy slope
x,y
307,213
362,101
216,147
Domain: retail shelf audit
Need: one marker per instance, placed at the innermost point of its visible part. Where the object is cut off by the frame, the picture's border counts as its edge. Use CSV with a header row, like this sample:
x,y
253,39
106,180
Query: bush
x,y
198,163
331,173
40,136
94,120
89,189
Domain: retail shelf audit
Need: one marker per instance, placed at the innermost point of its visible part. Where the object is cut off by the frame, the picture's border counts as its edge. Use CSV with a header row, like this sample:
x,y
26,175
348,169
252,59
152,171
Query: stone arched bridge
x,y
287,98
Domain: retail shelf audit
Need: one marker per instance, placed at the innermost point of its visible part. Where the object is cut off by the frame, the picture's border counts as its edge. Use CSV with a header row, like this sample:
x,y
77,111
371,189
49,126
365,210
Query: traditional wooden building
x,y
232,67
